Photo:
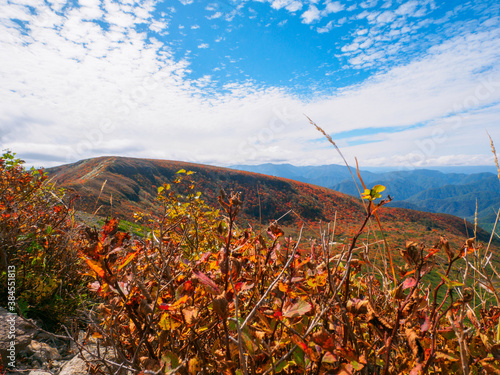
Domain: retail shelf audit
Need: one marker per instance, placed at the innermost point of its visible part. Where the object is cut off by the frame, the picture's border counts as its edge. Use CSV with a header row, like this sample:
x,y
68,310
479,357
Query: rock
x,y
15,335
39,372
76,366
43,352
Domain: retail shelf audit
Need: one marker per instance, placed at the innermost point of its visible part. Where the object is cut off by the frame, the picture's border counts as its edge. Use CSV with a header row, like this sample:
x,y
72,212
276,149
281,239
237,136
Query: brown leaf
x,y
443,243
221,306
324,339
275,231
495,351
190,314
357,306
414,343
472,317
490,366
299,308
194,365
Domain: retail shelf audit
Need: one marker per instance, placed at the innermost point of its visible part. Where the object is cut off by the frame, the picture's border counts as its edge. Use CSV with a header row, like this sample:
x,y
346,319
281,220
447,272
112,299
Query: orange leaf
x,y
431,253
110,227
95,267
175,305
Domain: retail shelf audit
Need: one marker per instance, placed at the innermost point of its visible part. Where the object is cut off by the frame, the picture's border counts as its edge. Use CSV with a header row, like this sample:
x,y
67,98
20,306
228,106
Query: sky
x,y
408,84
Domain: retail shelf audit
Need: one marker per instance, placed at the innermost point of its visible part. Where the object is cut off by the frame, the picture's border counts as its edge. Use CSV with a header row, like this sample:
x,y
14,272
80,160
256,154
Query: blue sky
x,y
395,83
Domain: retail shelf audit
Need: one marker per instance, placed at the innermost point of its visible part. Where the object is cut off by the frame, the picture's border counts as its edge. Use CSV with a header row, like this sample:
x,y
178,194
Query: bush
x,y
35,238
197,294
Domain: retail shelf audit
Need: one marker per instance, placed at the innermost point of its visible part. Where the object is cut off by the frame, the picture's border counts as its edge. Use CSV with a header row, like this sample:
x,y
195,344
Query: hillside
x,y
131,185
451,190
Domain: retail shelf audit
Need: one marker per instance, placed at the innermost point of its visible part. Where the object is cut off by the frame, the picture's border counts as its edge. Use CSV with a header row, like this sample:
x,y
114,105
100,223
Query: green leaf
x,y
378,188
356,365
374,193
23,306
449,283
170,360
283,365
298,356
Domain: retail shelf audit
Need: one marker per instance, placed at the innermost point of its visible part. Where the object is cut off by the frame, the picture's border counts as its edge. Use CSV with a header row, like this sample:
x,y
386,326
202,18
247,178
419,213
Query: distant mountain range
x,y
122,186
420,189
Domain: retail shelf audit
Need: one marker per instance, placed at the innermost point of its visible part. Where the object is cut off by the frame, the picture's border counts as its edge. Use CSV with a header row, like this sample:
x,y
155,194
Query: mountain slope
x,y
131,185
422,189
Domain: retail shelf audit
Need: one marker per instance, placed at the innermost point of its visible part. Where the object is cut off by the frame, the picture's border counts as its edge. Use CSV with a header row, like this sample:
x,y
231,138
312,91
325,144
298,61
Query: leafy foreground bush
x,y
35,246
198,295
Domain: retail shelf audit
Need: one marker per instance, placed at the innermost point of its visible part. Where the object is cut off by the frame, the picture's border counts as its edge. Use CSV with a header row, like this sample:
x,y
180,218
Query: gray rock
x,y
39,372
43,351
76,366
15,335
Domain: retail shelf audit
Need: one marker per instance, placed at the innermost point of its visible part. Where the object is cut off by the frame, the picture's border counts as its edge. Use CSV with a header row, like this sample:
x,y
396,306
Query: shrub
x,y
35,238
197,294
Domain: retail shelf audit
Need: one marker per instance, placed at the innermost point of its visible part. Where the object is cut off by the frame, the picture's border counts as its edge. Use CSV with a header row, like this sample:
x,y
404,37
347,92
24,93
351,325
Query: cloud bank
x,y
88,80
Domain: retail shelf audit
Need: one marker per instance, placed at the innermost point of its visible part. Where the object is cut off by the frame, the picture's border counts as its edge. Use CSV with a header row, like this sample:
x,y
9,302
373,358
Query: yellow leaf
x,y
127,260
167,322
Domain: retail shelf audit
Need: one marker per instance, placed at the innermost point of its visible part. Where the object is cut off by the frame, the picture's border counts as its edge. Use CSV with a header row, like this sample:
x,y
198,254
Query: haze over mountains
x,y
453,190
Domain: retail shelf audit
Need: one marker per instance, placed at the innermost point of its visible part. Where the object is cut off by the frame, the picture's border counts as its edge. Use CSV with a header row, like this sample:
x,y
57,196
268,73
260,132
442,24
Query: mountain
x,y
420,189
322,175
122,186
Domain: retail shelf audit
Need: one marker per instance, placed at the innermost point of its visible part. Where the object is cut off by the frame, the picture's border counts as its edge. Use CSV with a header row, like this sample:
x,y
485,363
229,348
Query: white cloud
x,y
294,6
194,27
203,45
350,47
215,16
386,17
333,7
407,9
72,89
328,27
311,15
158,26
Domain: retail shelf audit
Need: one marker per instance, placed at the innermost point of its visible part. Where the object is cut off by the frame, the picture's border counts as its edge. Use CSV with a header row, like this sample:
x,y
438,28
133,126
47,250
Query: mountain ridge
x,y
410,187
122,186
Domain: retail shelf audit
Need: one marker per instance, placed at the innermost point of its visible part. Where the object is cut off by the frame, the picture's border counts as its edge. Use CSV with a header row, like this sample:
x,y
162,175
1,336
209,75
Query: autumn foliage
x,y
198,294
35,237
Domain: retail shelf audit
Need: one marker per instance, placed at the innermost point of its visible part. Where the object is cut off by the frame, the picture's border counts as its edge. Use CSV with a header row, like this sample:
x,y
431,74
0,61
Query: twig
x,y
290,260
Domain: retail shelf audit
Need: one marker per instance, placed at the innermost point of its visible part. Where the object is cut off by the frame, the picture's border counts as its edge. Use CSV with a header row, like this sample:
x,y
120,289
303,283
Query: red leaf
x,y
110,227
426,323
204,258
207,281
409,283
